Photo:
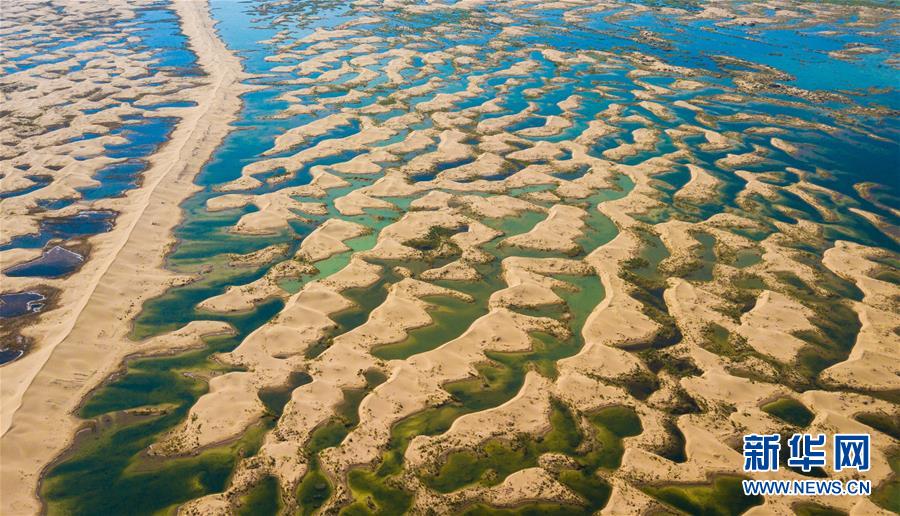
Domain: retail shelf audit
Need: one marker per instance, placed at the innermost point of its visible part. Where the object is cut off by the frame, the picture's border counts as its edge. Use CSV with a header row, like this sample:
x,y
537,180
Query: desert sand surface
x,y
80,345
524,257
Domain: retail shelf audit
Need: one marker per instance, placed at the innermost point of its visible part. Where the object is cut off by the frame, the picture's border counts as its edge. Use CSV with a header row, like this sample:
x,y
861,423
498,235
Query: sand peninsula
x,y
521,257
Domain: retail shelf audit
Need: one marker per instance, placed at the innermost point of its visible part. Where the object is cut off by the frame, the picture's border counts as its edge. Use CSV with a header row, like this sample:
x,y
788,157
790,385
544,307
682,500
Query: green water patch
x,y
171,379
599,228
498,380
516,225
581,300
263,499
612,424
599,446
888,424
717,339
672,181
178,305
314,489
156,381
108,473
523,191
887,494
789,410
648,287
837,326
204,234
814,509
706,261
746,258
450,316
275,398
402,203
724,496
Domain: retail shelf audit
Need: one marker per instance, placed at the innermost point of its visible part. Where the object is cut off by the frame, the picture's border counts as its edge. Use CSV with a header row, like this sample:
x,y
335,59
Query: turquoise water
x,y
111,461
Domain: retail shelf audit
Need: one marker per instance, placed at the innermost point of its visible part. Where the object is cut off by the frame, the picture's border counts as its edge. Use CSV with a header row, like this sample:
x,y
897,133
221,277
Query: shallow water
x,y
82,224
157,28
790,410
53,263
112,457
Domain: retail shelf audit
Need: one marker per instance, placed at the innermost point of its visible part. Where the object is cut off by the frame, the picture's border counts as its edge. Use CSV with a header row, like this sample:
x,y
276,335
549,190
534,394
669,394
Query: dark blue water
x,y
83,224
8,355
15,304
53,263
